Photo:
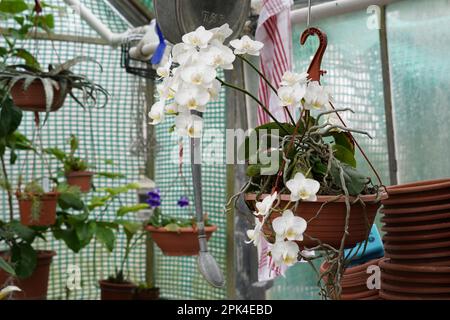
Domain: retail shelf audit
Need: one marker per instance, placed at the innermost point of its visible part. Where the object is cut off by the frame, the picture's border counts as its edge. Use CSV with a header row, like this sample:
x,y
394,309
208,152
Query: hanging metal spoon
x,y
206,263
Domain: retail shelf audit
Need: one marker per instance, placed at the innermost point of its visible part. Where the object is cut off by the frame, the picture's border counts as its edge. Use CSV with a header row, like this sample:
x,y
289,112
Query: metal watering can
x,y
178,17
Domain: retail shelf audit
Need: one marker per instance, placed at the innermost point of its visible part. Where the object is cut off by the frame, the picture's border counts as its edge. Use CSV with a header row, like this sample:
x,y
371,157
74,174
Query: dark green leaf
x,y
354,180
70,200
344,155
57,153
30,60
70,238
134,208
24,259
23,232
345,140
10,118
6,267
106,237
13,6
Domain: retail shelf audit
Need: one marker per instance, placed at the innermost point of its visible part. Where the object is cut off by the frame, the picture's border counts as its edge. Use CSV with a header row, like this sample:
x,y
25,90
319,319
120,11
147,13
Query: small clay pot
x,y
361,295
47,215
34,287
418,192
34,98
80,179
117,291
146,294
178,243
388,264
418,288
416,277
329,225
418,254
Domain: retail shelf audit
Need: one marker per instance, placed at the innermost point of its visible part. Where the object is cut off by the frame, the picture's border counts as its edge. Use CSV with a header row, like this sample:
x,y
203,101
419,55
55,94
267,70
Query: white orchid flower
x,y
172,108
285,253
214,90
263,208
255,234
289,226
164,70
219,56
245,45
291,79
302,188
198,74
198,38
291,96
316,97
156,113
221,33
189,125
182,52
4,293
192,97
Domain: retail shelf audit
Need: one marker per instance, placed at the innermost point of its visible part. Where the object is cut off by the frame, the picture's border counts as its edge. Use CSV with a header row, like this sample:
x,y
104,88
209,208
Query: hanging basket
x,y
183,242
178,17
328,227
34,98
34,287
80,179
47,210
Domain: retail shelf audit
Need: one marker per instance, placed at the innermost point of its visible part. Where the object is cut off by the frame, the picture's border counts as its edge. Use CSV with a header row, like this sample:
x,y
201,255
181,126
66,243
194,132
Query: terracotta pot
x,y
117,291
360,295
47,215
437,262
146,294
181,243
329,225
35,287
418,254
81,179
34,98
388,264
417,288
416,277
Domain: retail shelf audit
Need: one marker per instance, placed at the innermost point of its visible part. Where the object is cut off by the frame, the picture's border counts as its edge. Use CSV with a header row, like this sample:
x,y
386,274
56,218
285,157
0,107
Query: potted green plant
x,y
21,264
174,236
31,88
145,292
75,168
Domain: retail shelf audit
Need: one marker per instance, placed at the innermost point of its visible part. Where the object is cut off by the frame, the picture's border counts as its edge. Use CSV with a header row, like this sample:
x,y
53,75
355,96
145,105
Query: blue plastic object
x,y
159,53
373,250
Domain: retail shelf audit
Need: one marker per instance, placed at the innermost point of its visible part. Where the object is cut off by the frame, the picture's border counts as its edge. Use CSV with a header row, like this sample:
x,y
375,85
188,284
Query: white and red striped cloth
x,y
275,31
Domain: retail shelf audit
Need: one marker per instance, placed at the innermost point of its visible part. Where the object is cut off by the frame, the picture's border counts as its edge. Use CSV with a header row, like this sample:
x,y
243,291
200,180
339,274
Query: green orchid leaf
x,y
344,155
13,6
10,118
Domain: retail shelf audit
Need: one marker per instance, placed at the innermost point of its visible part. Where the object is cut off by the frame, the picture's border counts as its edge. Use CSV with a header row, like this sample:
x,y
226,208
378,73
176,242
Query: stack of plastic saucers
x,y
417,225
354,282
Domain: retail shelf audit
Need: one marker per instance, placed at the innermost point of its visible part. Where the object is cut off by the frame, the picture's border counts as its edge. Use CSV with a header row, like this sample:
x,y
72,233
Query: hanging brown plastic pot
x,y
34,287
47,209
80,179
329,225
117,291
178,17
183,242
34,97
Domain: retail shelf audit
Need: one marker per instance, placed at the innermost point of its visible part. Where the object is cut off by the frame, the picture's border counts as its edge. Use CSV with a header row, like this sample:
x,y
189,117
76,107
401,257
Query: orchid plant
x,y
317,150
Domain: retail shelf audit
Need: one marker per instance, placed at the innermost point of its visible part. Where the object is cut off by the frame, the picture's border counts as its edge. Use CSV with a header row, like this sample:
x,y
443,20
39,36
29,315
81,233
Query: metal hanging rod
x,y
334,8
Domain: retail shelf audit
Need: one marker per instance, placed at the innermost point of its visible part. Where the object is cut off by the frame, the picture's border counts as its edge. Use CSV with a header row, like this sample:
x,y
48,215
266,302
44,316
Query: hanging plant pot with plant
x,y
75,169
37,207
174,236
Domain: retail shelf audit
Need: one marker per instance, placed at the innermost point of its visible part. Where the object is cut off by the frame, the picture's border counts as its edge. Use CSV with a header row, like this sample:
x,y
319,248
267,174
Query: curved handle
x,y
314,69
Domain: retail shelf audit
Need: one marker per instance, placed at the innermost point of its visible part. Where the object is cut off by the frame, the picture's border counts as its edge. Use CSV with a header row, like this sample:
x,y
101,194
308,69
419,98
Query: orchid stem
x,y
254,98
266,81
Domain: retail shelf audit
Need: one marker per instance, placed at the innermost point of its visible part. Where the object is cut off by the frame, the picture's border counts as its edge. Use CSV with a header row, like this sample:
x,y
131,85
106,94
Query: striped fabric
x,y
274,30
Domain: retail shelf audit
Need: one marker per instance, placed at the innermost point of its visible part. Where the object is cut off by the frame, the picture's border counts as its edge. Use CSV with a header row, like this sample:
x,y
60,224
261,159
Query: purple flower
x,y
183,202
154,198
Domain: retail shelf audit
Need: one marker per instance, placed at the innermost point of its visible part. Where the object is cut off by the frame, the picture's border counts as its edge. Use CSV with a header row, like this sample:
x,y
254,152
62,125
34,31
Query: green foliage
x,y
70,162
5,266
158,220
